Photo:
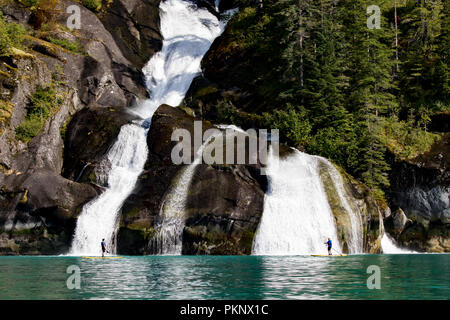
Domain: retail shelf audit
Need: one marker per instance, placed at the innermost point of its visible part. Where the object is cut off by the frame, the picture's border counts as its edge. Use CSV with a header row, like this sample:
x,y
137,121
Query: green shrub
x,y
227,113
16,34
42,105
293,124
4,37
11,35
67,44
92,4
6,109
29,128
404,139
29,3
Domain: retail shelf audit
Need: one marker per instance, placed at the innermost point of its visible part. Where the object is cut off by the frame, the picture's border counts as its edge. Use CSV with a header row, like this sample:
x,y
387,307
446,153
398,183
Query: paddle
x,y
336,251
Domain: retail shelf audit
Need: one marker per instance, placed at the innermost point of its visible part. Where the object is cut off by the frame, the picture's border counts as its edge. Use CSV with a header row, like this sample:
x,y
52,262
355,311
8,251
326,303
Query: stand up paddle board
x,y
326,255
101,257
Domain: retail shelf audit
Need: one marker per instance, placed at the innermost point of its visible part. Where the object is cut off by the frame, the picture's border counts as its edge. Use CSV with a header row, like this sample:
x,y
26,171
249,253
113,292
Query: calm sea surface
x,y
416,276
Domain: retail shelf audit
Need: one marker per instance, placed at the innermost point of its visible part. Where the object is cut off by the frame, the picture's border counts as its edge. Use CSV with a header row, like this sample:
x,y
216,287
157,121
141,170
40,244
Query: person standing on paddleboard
x,y
330,245
103,243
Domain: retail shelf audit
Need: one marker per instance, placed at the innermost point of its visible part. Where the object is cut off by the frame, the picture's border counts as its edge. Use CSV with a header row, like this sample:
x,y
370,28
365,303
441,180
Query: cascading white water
x,y
355,240
99,217
297,218
389,247
188,32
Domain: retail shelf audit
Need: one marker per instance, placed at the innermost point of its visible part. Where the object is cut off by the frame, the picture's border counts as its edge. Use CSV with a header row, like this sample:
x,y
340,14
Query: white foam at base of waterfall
x,y
388,246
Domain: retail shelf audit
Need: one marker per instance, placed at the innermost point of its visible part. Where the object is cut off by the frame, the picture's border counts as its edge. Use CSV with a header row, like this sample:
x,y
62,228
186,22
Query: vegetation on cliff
x,y
11,36
44,103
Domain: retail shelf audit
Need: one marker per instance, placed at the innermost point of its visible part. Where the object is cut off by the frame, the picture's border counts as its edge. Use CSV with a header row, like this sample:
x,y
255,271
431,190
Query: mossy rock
x,y
132,242
204,91
187,110
343,222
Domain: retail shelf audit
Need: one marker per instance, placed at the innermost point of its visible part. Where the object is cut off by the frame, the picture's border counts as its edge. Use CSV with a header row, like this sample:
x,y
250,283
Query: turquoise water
x,y
208,277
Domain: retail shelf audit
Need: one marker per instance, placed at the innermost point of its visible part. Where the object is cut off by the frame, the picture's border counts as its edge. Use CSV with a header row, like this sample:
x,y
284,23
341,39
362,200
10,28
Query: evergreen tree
x,y
443,50
313,61
372,63
421,23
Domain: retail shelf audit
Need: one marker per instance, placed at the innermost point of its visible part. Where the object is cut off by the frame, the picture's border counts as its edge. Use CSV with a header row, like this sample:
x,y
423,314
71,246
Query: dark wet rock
x,y
134,25
88,138
39,198
38,212
231,4
420,188
435,237
396,223
223,206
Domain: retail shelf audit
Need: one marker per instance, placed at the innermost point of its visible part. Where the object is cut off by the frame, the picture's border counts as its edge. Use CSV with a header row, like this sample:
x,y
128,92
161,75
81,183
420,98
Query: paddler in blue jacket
x,y
330,245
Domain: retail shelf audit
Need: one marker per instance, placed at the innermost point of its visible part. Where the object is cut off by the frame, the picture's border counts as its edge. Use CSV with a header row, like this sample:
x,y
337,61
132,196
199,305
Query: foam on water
x,y
388,246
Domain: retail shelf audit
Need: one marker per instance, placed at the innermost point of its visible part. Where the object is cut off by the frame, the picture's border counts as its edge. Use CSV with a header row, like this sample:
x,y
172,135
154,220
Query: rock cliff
x,y
44,171
419,194
223,206
90,77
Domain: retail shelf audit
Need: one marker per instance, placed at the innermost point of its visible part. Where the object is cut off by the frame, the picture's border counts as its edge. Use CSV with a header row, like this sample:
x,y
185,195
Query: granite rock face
x,y
223,205
44,182
421,189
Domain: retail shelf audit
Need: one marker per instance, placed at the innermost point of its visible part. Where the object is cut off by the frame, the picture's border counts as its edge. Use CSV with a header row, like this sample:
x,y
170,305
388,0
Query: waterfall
x,y
99,217
169,238
388,246
354,239
297,218
188,33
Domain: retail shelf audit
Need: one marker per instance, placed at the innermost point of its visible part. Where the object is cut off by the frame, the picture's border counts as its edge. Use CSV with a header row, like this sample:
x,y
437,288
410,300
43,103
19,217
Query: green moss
x,y
5,2
63,129
23,232
6,109
246,241
72,46
132,212
92,177
29,3
187,110
11,35
4,74
204,91
94,5
141,225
